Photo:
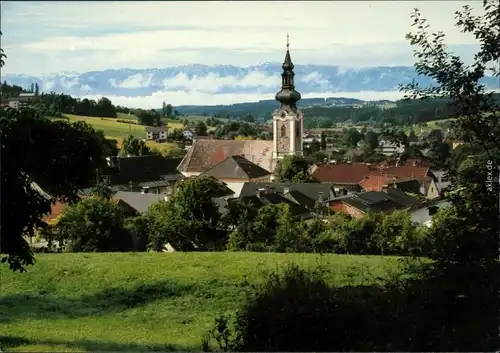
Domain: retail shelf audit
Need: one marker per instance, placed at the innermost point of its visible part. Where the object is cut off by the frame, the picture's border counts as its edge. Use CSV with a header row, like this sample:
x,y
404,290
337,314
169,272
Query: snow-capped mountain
x,y
224,79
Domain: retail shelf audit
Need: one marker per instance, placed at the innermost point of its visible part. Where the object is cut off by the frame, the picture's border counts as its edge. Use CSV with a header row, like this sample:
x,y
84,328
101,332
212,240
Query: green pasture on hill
x,y
143,301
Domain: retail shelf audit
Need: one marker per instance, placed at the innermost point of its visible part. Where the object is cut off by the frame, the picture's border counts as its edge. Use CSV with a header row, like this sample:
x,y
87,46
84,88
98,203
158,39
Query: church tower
x,y
288,121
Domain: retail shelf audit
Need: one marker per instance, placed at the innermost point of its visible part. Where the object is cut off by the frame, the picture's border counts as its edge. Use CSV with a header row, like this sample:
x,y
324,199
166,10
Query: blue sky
x,y
48,37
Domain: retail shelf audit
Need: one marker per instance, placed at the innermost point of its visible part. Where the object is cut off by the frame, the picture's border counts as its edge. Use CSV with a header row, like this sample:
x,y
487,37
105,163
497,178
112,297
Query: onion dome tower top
x,y
288,96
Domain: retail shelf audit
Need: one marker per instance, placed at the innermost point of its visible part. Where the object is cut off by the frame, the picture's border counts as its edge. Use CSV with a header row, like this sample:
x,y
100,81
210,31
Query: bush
x,y
94,224
296,311
127,121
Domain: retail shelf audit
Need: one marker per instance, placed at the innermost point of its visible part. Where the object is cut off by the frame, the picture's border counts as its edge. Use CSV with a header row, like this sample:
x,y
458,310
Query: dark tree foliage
x,y
59,157
66,104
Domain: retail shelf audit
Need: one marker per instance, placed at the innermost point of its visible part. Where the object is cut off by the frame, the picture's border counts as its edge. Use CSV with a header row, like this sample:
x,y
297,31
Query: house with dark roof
x,y
156,133
236,170
205,154
139,201
267,196
385,201
150,173
307,195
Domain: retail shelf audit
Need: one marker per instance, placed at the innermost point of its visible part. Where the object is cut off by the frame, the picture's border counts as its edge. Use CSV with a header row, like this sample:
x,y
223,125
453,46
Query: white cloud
x,y
212,83
51,36
317,78
200,98
136,81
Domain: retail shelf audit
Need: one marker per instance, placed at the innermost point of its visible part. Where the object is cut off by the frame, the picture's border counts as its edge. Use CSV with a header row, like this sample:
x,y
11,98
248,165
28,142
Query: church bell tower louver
x,y
288,120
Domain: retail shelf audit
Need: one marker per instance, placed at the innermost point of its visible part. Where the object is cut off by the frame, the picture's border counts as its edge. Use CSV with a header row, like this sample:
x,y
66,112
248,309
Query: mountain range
x,y
224,79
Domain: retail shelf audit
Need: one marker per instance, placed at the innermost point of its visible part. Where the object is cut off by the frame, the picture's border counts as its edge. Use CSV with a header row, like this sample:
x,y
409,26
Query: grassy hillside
x,y
116,130
141,301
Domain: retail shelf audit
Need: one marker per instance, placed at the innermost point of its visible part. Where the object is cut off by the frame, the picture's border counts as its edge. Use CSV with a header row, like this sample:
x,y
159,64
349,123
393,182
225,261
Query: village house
x,y
236,170
307,195
390,148
22,100
385,201
344,176
188,133
405,177
149,173
156,133
262,196
423,216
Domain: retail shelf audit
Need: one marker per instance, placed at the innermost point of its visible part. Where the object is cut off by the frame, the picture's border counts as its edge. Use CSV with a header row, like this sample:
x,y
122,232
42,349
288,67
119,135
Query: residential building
x,y
22,100
422,215
390,148
150,173
189,133
306,195
344,176
236,170
267,196
156,133
139,201
385,201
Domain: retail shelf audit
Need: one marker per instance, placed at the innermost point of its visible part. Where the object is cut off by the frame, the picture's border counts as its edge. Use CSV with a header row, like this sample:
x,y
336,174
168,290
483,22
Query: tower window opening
x,y
283,131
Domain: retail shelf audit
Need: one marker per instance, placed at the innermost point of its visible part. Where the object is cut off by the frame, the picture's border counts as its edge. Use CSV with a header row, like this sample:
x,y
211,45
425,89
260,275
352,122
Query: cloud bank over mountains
x,y
226,84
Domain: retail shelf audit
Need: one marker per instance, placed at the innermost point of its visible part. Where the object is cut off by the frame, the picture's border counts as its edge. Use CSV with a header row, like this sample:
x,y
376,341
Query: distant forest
x,y
319,112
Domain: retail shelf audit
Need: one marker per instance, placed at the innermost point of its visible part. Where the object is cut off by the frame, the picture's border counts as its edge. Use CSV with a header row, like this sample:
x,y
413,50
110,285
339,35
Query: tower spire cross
x,y
287,41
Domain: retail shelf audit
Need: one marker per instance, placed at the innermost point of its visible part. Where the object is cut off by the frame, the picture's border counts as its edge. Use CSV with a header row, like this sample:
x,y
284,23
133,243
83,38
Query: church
x,y
288,127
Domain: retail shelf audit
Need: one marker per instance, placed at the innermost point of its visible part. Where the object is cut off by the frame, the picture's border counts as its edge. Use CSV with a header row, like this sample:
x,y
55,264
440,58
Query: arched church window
x,y
283,131
297,129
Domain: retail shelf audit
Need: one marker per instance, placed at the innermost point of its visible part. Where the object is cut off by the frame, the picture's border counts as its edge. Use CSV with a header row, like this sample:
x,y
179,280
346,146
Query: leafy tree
x,y
370,141
138,228
201,129
168,110
292,169
149,118
94,224
132,146
2,55
248,118
102,190
322,142
164,109
60,168
319,157
475,203
255,228
435,136
440,153
352,137
189,218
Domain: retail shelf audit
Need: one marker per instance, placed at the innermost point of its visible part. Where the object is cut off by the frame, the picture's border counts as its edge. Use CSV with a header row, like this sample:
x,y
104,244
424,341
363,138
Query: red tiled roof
x,y
376,182
205,154
342,173
55,211
405,171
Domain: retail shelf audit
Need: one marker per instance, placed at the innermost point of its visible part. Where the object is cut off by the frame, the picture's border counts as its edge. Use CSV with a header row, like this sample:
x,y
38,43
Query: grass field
x,y
116,130
142,301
